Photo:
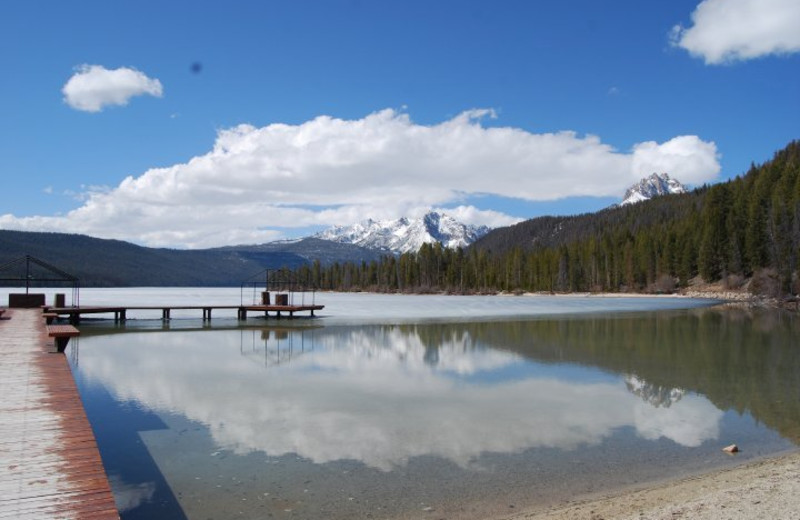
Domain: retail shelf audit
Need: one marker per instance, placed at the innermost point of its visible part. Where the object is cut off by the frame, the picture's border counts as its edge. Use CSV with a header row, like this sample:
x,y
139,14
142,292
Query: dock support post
x,y
61,344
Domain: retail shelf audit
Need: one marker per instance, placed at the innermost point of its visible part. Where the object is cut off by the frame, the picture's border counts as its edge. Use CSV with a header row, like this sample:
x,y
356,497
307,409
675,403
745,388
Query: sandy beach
x,y
765,489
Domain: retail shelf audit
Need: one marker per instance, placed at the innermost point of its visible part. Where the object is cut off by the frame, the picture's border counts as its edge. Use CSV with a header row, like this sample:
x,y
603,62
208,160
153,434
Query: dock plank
x,y
51,465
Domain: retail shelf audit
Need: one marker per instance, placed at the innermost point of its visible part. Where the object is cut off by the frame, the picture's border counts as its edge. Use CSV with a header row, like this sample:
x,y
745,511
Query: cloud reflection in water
x,y
129,496
379,394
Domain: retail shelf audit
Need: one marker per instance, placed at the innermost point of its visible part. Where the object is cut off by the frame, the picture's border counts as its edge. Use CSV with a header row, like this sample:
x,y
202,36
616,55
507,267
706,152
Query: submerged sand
x,y
768,489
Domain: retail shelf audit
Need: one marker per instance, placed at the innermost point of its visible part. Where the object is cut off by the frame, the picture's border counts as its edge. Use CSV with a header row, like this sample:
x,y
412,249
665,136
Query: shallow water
x,y
431,412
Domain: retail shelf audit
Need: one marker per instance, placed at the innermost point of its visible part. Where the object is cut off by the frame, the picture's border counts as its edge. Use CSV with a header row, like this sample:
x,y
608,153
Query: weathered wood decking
x,y
50,466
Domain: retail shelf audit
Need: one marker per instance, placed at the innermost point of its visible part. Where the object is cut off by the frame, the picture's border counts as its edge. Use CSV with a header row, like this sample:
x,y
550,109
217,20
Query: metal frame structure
x,y
279,281
29,277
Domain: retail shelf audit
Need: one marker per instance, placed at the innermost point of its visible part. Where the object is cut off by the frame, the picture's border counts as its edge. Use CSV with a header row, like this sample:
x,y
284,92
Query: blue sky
x,y
196,124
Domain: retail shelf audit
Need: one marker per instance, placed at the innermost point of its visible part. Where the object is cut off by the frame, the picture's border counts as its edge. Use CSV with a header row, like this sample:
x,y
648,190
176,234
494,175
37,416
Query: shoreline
x,y
765,488
723,297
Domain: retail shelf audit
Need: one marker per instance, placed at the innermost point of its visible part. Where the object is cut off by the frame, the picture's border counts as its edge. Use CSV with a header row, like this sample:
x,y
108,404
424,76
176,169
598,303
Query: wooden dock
x,y
120,312
50,466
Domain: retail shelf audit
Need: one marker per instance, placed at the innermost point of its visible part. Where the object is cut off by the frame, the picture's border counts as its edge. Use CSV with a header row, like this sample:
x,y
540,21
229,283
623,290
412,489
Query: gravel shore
x,y
768,489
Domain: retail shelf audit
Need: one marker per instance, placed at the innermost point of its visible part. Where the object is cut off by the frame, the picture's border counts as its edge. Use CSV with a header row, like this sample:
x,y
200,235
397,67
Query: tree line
x,y
744,229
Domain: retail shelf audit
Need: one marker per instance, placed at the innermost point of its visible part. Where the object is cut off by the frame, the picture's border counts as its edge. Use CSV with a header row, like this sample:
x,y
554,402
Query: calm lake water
x,y
427,406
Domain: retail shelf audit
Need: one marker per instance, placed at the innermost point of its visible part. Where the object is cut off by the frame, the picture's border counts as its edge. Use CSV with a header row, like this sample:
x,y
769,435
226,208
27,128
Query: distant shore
x,y
739,298
767,488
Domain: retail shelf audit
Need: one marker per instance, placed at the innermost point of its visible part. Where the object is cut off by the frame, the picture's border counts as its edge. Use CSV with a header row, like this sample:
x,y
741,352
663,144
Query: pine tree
x,y
712,260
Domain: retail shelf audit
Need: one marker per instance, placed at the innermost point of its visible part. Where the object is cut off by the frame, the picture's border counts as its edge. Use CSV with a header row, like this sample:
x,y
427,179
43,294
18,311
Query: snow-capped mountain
x,y
653,186
406,235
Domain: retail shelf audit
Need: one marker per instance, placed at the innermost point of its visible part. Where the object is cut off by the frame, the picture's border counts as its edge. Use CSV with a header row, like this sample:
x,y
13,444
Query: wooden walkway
x,y
50,466
120,312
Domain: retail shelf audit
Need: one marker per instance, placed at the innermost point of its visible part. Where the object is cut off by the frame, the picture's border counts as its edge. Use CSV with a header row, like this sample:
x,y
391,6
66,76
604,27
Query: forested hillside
x,y
113,263
744,229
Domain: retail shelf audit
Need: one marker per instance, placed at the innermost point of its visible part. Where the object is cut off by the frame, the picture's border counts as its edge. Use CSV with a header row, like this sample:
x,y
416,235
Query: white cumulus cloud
x,y
725,31
93,87
686,158
256,182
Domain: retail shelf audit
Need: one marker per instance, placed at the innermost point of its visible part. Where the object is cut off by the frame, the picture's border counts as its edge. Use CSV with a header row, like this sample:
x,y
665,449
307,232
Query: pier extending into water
x,y
120,312
51,466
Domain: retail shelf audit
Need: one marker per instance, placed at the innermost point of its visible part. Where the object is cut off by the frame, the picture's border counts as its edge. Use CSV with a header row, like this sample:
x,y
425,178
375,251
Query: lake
x,y
426,406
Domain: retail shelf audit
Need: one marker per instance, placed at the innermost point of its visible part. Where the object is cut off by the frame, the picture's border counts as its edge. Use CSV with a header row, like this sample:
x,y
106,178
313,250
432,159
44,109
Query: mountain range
x,y
406,235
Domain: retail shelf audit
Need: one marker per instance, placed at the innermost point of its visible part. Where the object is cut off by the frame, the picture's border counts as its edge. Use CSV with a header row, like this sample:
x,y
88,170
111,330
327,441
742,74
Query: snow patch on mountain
x,y
405,235
655,185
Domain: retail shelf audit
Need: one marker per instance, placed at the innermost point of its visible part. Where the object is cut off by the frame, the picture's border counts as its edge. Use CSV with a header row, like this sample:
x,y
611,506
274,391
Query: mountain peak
x,y
655,185
405,235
